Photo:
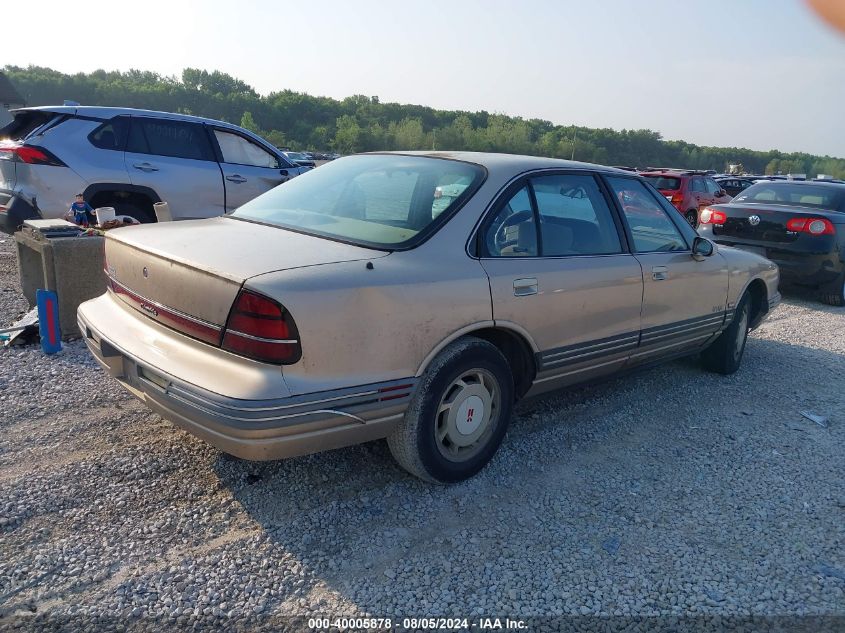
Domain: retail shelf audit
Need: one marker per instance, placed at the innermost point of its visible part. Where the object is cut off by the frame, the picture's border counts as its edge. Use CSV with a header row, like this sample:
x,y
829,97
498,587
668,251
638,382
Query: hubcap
x,y
692,218
466,413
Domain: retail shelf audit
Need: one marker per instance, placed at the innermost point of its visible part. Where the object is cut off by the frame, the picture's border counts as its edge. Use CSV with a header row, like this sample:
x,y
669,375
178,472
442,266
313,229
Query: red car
x,y
688,191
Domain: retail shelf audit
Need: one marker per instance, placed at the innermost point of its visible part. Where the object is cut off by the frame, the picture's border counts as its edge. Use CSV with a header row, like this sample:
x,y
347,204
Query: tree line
x,y
361,123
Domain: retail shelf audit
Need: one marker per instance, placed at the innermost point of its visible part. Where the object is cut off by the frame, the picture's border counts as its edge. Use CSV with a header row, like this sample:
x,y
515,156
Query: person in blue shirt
x,y
80,212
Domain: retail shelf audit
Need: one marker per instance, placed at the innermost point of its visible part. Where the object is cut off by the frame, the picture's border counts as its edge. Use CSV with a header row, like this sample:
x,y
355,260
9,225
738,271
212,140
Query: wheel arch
x,y
515,344
120,187
100,194
756,288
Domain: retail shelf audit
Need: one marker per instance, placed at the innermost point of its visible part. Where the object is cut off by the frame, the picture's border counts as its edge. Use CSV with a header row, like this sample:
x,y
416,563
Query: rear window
x,y
784,193
25,123
666,183
382,201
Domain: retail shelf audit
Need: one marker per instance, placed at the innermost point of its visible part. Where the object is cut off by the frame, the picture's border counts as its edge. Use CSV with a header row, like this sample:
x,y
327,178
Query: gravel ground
x,y
670,492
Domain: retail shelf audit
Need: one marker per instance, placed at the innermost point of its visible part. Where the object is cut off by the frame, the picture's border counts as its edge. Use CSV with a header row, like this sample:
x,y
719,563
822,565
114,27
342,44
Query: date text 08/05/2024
x,y
416,623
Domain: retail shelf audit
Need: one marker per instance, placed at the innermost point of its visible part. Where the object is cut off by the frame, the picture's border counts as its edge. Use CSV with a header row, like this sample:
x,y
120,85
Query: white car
x,y
129,159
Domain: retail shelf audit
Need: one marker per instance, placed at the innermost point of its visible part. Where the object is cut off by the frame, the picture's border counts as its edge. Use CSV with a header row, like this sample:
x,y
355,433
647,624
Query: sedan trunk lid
x,y
195,269
765,224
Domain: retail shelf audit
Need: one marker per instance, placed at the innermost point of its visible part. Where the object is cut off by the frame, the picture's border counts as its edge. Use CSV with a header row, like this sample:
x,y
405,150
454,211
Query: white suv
x,y
129,159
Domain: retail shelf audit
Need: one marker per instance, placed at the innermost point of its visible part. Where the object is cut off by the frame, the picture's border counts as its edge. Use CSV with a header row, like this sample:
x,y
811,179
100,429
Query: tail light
x,y
677,200
261,329
712,216
813,226
29,155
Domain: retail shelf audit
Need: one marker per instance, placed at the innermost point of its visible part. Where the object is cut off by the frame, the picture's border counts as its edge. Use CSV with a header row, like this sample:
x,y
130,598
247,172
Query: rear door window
x,y
697,185
651,227
179,139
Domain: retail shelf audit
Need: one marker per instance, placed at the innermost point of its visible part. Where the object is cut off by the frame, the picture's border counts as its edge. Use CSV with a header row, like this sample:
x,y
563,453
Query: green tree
x,y
361,122
248,123
348,134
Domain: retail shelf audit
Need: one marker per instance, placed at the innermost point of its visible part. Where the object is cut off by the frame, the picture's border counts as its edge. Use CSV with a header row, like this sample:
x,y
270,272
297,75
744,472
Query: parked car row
x,y
129,159
414,297
799,225
314,156
300,158
790,219
407,296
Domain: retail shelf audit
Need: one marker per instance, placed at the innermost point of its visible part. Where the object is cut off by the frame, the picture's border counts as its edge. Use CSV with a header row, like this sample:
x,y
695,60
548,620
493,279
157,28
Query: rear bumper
x,y
797,266
811,270
14,210
256,429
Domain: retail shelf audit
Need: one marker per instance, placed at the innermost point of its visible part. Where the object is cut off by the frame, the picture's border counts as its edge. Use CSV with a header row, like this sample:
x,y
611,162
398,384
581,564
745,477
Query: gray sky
x,y
753,73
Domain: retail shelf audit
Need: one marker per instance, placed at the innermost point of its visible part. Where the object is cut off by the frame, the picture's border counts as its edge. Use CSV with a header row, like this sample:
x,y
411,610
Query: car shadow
x,y
806,298
361,526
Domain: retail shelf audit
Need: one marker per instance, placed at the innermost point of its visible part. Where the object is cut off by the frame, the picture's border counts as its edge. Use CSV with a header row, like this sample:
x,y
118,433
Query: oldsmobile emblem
x,y
753,220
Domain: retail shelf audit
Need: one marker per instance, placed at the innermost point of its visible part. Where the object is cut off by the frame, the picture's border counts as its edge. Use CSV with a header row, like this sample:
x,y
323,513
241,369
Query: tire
x,y
834,294
444,438
692,217
724,355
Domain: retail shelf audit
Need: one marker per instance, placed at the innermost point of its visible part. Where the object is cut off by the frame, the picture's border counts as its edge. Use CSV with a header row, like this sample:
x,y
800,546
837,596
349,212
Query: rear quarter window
x,y
111,134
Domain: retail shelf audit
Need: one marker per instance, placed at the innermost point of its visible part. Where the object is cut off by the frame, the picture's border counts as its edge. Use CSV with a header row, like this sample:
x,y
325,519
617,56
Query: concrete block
x,y
71,266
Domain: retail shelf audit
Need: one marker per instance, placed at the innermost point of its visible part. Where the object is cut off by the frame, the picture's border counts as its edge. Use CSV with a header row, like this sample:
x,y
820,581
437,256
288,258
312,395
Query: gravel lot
x,y
668,492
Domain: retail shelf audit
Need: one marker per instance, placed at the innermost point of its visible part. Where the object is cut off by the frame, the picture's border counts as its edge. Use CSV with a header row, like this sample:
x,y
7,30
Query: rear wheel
x,y
834,294
459,414
724,355
692,218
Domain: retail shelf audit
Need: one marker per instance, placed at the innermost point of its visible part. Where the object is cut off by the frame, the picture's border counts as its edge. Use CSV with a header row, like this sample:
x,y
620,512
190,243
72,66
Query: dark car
x,y
688,191
799,225
300,159
734,184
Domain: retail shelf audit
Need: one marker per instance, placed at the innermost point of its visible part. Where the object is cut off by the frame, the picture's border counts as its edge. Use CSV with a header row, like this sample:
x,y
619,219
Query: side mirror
x,y
721,193
702,248
283,172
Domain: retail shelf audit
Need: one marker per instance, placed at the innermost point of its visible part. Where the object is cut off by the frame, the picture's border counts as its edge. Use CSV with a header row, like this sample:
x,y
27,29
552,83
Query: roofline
x,y
118,110
477,158
107,112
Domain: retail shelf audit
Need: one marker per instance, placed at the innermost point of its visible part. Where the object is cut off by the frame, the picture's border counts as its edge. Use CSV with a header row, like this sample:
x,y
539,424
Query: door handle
x,y
145,167
236,178
524,287
659,273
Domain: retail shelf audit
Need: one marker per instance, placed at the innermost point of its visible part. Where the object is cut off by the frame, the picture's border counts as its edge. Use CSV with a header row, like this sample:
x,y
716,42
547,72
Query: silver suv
x,y
129,159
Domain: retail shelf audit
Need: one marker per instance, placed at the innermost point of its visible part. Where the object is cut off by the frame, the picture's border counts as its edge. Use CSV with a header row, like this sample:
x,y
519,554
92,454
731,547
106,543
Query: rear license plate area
x,y
152,377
